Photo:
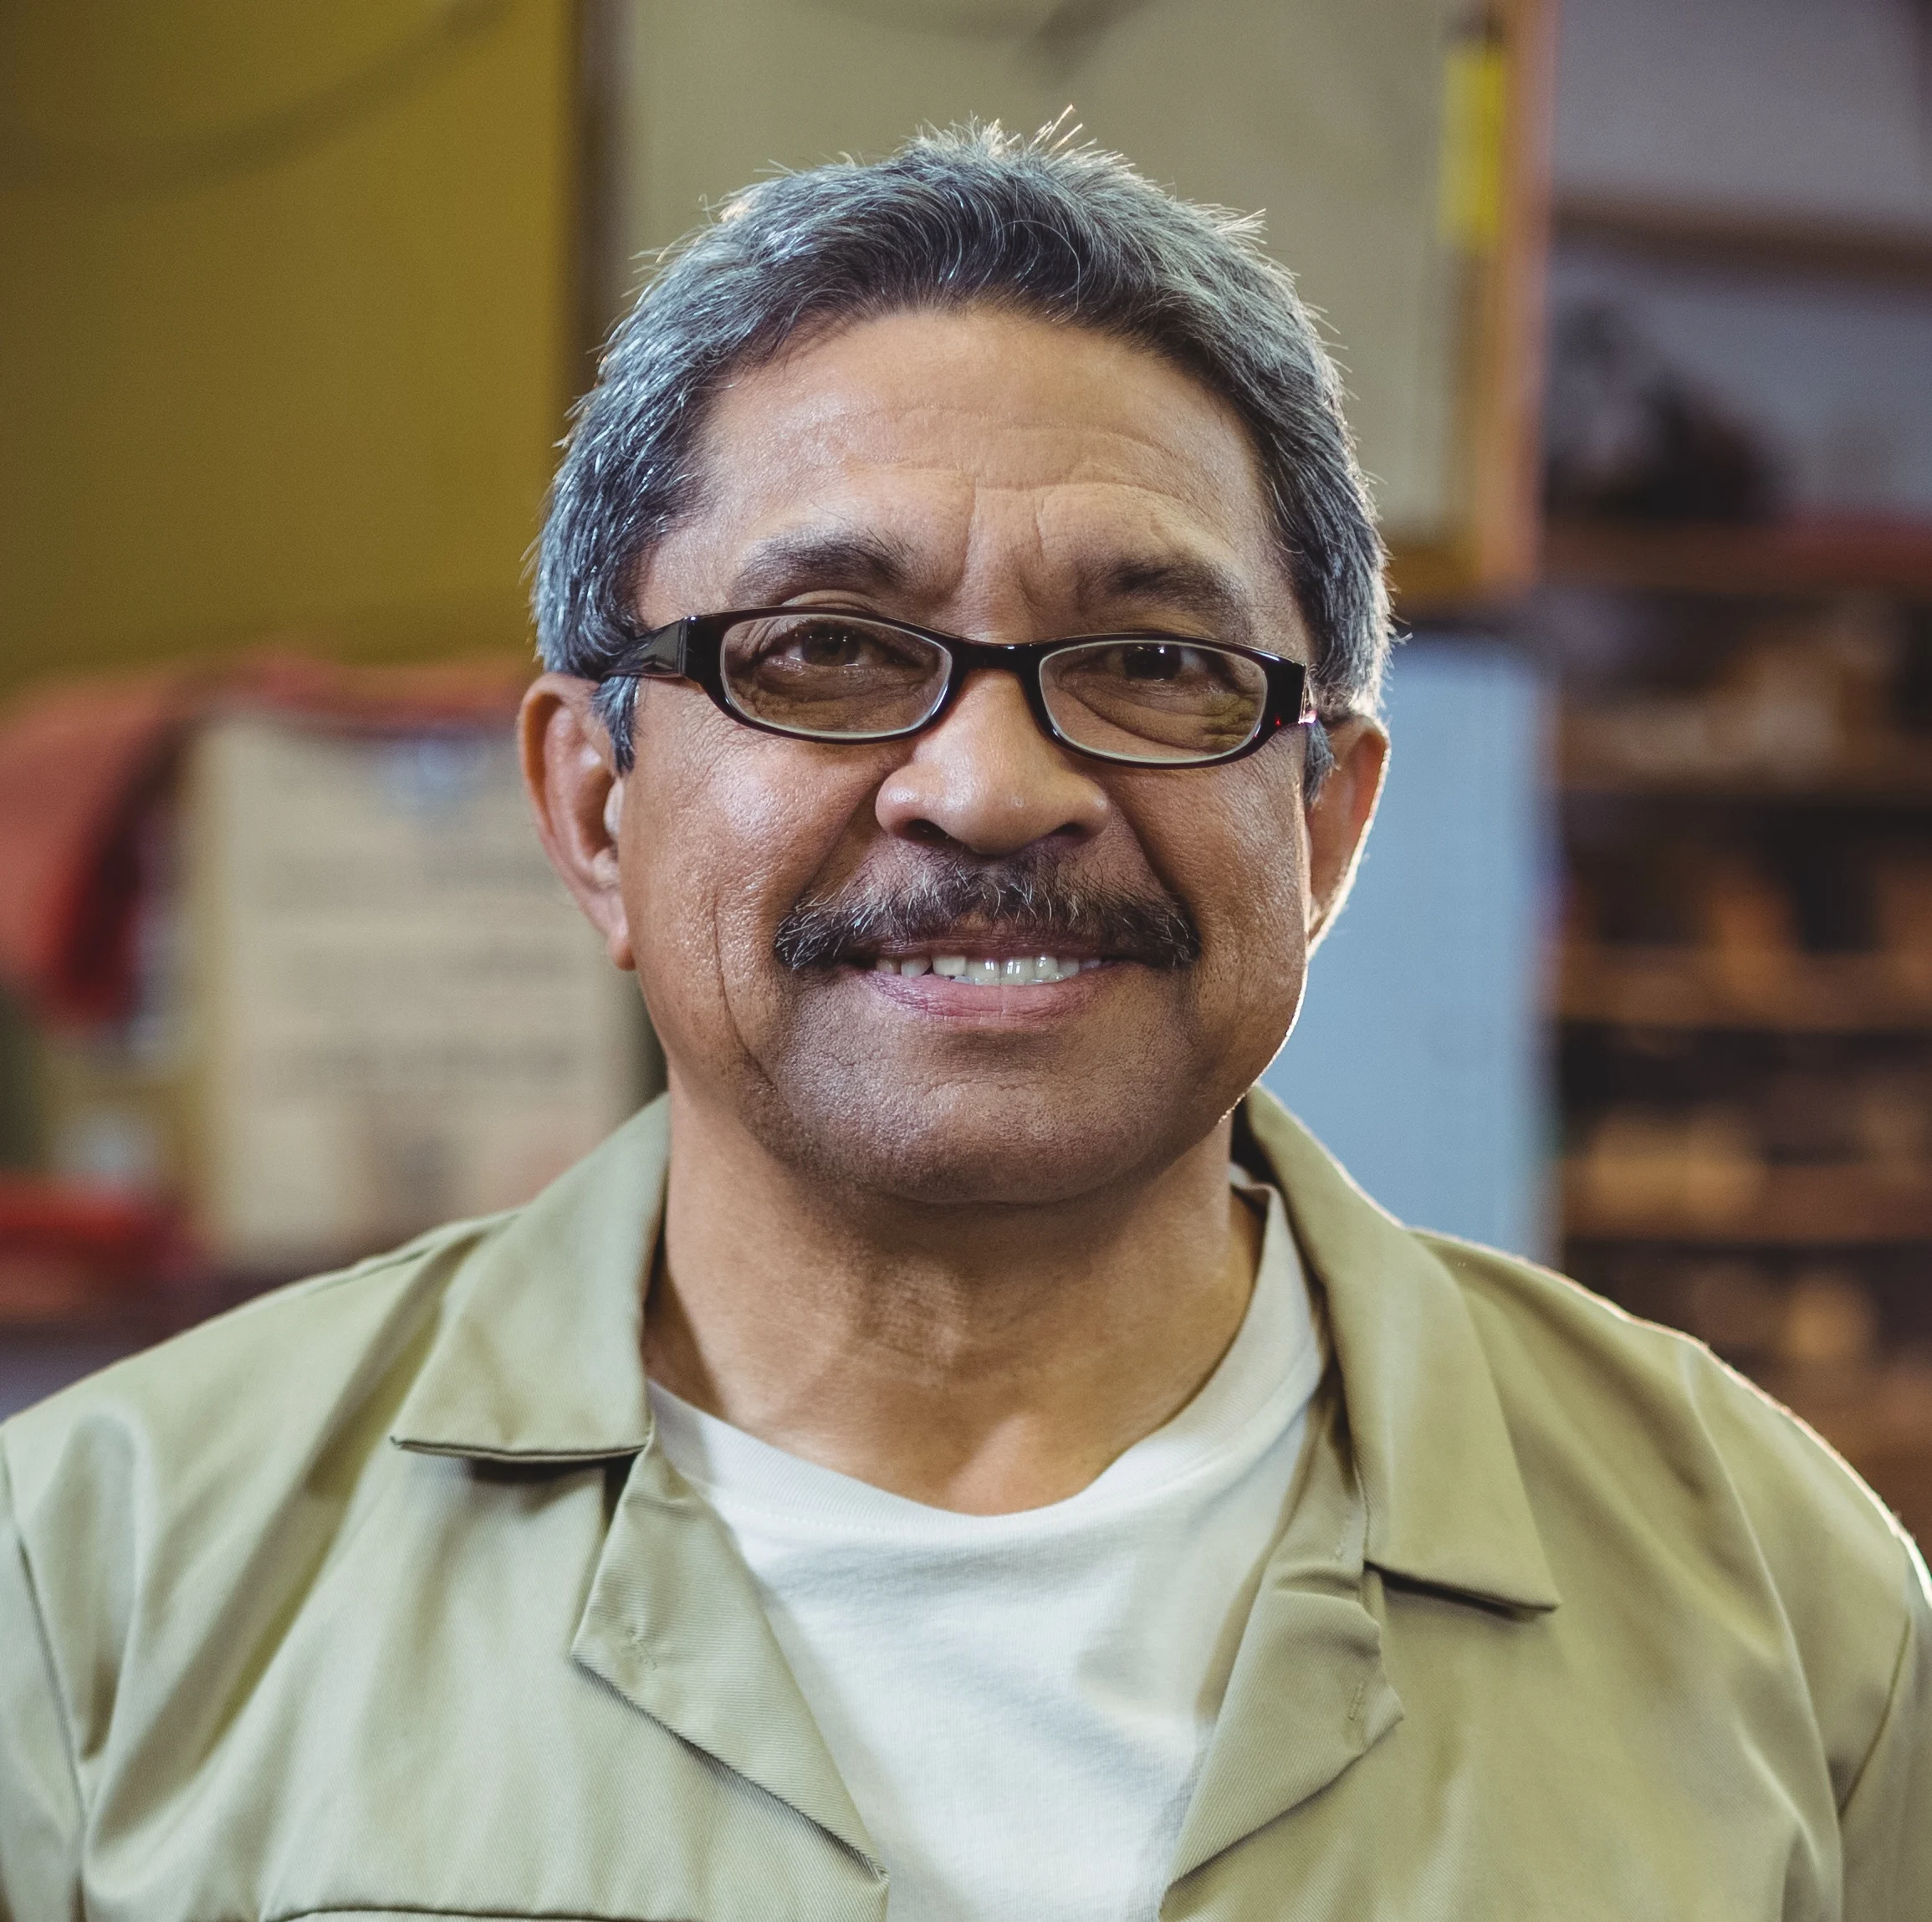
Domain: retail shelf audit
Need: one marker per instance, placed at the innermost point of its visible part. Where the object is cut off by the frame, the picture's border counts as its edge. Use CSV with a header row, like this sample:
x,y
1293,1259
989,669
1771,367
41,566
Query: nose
x,y
989,780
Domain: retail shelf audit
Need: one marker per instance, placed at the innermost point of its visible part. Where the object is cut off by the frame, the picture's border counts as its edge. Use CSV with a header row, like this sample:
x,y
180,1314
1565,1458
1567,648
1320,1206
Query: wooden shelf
x,y
1892,787
1707,237
1778,993
1810,556
1893,771
1792,1207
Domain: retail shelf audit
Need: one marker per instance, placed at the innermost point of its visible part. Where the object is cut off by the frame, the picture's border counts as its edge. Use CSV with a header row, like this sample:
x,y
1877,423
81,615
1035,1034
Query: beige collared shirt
x,y
374,1599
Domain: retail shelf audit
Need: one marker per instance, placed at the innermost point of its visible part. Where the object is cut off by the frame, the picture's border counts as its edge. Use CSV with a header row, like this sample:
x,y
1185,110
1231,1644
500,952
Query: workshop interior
x,y
1633,304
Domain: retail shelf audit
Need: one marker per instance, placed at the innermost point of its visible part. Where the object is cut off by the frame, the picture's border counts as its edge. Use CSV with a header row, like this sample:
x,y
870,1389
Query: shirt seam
x,y
1898,1665
423,1248
459,1914
56,1682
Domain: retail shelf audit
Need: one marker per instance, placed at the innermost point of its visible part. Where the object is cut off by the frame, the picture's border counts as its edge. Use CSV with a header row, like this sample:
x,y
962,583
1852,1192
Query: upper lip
x,y
985,944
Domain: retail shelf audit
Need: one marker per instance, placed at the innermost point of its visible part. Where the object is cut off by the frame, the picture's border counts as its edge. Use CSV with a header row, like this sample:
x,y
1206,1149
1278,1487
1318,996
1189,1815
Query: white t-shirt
x,y
1019,1703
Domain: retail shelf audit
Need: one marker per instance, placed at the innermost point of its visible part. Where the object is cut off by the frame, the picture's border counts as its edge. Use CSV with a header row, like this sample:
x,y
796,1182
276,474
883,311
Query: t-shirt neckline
x,y
1266,1376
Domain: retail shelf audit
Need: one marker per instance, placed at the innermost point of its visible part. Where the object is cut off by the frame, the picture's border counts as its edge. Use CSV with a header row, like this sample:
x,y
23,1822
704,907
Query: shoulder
x,y
149,1512
1642,1431
1576,1370
248,1400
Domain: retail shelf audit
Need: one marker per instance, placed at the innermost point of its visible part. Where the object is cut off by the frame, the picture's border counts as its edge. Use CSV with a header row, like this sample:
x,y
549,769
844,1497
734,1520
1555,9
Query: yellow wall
x,y
286,321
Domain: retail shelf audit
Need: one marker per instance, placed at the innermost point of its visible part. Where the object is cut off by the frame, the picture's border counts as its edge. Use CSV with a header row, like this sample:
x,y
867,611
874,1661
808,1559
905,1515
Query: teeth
x,y
1013,971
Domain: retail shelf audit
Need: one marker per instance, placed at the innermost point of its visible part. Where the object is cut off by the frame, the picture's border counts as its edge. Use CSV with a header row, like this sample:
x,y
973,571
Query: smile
x,y
988,971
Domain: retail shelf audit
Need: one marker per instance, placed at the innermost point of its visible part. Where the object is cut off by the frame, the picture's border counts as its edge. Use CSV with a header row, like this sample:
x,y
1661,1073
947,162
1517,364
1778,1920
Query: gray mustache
x,y
1026,900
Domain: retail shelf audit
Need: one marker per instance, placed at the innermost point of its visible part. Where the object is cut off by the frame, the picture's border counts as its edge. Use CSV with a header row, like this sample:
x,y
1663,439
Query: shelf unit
x,y
1901,778
1672,999
1732,240
1775,992
1797,1207
1812,555
1659,1021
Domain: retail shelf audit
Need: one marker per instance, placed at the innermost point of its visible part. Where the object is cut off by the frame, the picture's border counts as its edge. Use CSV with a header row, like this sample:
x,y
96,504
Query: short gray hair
x,y
968,217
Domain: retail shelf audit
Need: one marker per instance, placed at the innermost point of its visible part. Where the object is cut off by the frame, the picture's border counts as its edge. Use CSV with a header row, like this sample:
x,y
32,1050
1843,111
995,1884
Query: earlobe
x,y
577,797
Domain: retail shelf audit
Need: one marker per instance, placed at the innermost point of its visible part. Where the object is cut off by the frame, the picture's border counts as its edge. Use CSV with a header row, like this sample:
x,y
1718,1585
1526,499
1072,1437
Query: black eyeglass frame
x,y
692,649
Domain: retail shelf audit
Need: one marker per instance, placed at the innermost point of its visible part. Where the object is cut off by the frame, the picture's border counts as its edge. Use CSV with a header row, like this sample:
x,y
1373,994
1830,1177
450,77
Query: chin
x,y
985,1139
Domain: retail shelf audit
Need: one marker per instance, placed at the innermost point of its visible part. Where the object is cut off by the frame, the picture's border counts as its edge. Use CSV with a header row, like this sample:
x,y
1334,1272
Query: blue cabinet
x,y
1420,1055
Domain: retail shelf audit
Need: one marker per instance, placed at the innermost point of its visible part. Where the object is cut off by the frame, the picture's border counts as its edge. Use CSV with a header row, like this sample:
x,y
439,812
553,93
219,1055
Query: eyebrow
x,y
1182,582
869,561
806,560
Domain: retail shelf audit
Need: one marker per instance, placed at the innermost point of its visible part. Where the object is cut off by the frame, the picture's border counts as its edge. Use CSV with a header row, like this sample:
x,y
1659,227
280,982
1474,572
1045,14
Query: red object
x,y
79,761
73,762
39,1215
74,1257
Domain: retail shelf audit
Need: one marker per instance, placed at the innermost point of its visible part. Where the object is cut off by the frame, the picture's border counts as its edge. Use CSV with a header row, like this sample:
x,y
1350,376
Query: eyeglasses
x,y
830,674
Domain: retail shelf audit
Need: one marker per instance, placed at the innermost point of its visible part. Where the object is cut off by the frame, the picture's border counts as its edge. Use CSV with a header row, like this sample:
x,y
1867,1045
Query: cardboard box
x,y
366,1004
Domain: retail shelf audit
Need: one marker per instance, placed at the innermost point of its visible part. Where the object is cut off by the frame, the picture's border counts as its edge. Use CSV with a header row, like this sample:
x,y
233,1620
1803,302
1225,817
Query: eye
x,y
821,671
818,643
1154,663
1154,700
1174,664
823,643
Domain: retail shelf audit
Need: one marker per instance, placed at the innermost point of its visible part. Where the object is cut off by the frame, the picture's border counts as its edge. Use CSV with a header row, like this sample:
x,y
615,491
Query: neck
x,y
980,1359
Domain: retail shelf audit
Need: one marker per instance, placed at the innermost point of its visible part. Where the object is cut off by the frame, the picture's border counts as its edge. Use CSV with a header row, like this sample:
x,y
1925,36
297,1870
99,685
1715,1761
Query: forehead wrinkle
x,y
909,548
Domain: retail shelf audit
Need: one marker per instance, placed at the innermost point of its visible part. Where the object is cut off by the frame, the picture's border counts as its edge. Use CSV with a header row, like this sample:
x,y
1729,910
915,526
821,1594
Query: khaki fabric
x,y
374,1599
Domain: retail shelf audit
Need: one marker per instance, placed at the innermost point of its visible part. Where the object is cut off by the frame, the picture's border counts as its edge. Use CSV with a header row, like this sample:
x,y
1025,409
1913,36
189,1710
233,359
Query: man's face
x,y
1014,481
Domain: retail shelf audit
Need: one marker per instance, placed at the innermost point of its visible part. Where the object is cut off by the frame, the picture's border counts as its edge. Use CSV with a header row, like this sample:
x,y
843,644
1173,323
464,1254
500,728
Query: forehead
x,y
959,445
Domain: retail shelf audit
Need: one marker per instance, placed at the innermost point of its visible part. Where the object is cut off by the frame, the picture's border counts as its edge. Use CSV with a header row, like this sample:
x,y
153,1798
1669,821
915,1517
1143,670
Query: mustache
x,y
1031,900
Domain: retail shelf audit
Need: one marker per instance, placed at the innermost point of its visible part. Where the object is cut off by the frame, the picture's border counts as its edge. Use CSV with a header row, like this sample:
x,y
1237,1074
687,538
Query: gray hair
x,y
970,216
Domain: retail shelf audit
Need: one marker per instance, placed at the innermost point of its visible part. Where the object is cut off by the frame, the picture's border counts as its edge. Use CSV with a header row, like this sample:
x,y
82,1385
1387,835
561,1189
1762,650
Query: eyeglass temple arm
x,y
1307,711
657,655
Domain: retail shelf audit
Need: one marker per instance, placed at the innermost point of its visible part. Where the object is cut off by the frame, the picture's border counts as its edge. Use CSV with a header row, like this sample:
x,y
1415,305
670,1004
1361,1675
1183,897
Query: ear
x,y
1339,816
578,797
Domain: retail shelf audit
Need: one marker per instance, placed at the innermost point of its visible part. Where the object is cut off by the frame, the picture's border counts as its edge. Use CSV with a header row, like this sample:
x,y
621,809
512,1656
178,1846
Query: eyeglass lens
x,y
840,677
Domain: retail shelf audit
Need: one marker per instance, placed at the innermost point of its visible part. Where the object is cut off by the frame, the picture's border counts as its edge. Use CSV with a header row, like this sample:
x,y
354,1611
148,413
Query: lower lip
x,y
951,1000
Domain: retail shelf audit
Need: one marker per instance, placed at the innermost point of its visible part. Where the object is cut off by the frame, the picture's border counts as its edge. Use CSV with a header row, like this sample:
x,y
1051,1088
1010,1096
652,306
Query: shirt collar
x,y
1438,1475
540,1355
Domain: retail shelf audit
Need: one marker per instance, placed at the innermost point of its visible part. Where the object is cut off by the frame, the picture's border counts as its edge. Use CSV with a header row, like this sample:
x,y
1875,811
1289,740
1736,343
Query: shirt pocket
x,y
465,1916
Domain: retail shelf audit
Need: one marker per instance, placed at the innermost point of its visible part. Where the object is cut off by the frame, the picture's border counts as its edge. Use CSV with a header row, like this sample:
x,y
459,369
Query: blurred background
x,y
1635,306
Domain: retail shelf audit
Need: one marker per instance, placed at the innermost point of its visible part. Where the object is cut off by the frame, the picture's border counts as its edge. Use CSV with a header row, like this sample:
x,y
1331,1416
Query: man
x,y
961,1455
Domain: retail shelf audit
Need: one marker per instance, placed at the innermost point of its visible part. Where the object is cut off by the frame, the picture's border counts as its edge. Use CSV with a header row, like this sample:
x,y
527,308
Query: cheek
x,y
1237,854
1271,851
1232,840
723,829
